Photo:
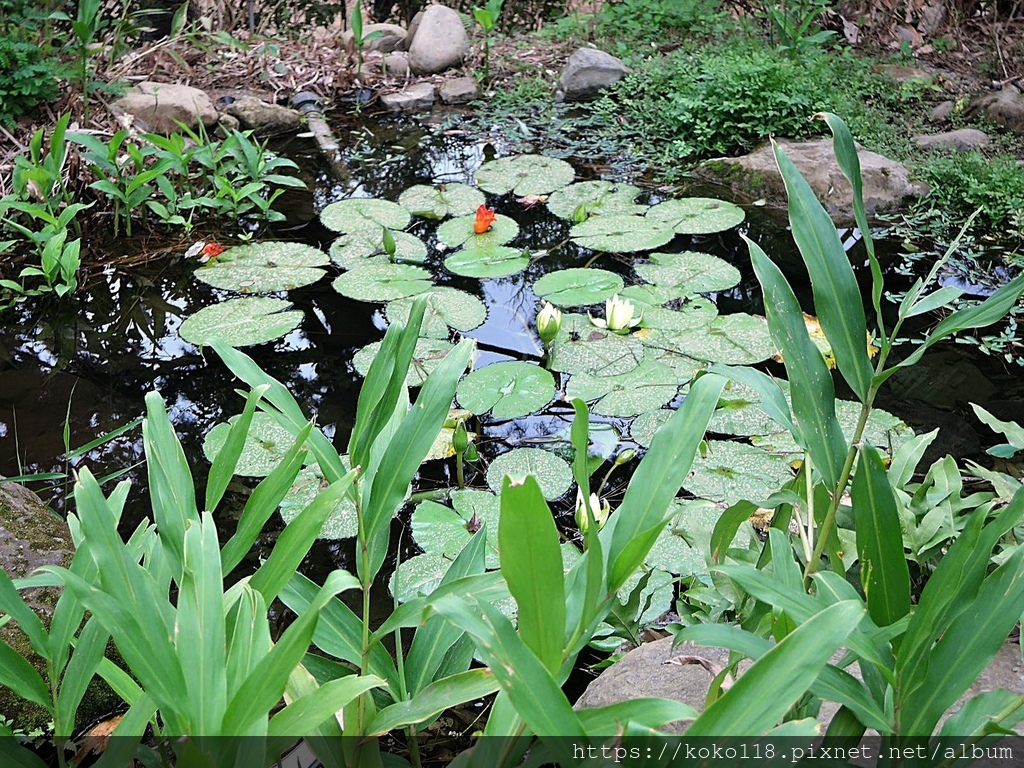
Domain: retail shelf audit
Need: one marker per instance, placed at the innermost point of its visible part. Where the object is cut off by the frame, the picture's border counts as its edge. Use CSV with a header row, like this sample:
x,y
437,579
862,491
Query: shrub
x,y
963,182
27,78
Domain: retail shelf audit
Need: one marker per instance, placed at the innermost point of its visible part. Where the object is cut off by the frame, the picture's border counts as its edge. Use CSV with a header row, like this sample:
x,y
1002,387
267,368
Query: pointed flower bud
x,y
549,321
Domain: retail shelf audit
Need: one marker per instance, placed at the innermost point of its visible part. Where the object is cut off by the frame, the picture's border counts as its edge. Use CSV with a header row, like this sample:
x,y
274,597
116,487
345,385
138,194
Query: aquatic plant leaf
x,y
442,530
739,412
418,576
695,312
737,339
693,271
440,201
265,445
732,472
508,390
427,355
446,308
651,295
457,232
578,287
488,260
524,175
682,547
580,201
620,233
380,282
697,215
442,447
582,347
364,213
646,424
554,475
264,267
341,522
647,387
241,322
356,249
685,368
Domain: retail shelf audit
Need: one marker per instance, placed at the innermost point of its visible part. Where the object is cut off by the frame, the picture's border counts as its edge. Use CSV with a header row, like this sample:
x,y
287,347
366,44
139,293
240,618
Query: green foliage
x,y
961,182
651,19
487,17
28,77
794,23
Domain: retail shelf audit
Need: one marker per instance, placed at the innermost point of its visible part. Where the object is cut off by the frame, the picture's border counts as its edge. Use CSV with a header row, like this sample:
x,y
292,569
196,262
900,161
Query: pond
x,y
91,362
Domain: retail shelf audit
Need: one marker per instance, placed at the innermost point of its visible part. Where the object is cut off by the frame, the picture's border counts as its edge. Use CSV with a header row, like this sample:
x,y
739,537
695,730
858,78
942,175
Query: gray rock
x,y
587,72
901,73
440,41
391,38
264,118
887,184
1004,107
414,98
959,141
461,90
395,64
159,107
941,113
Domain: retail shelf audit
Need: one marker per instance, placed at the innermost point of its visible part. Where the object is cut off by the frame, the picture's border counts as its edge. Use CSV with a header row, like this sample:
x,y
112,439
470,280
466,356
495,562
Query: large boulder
x,y
1004,107
160,107
378,37
887,183
588,72
438,42
263,118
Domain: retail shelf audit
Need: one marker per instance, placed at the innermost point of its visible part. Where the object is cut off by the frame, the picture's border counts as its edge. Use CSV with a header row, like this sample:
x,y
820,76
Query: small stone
x,y
941,113
461,90
159,107
395,64
264,118
440,41
378,37
588,72
904,74
1004,107
414,98
958,141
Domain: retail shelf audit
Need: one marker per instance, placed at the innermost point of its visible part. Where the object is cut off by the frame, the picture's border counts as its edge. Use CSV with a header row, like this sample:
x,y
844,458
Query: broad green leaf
x,y
584,199
487,260
582,347
508,390
21,677
418,576
578,287
645,425
381,282
241,322
427,356
697,215
690,271
364,247
446,308
363,214
437,697
647,387
440,201
341,522
322,703
652,295
265,445
264,267
733,472
28,620
736,339
524,175
1012,431
620,233
226,459
552,473
460,232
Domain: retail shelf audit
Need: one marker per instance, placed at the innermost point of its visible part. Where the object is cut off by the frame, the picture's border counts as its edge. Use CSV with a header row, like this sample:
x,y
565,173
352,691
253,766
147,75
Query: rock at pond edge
x,y
159,107
438,41
588,72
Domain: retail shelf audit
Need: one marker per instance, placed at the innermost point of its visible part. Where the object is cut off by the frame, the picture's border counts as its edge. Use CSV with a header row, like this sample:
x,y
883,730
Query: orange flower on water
x,y
212,250
484,218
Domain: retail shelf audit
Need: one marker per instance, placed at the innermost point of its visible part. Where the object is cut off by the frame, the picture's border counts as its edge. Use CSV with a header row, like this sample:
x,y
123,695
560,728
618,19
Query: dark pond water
x,y
94,359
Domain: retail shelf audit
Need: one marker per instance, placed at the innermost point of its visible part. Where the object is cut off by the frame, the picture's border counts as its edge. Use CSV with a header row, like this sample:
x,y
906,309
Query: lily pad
x,y
693,271
265,445
446,308
683,544
647,387
241,322
578,287
356,249
646,424
737,339
524,175
425,358
651,295
685,368
553,474
582,347
732,472
264,267
341,523
739,412
442,200
697,215
382,282
580,201
507,390
697,312
620,233
364,213
489,260
457,232
443,530
418,576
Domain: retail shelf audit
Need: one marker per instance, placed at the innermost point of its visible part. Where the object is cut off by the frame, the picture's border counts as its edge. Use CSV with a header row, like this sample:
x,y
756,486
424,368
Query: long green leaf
x,y
531,562
12,604
92,642
440,695
16,756
646,712
224,463
312,709
120,750
584,587
884,572
248,637
21,677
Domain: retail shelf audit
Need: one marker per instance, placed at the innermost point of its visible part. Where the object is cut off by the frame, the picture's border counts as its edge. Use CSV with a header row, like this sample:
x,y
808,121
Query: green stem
x,y
460,472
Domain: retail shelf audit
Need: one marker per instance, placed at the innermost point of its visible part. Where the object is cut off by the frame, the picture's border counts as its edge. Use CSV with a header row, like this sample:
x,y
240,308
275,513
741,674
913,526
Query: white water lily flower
x,y
549,321
619,317
600,509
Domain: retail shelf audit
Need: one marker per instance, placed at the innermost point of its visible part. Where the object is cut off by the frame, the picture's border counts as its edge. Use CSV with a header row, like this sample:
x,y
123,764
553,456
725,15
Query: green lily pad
x,y
697,312
265,445
507,390
425,358
578,287
647,387
457,232
553,474
356,249
382,282
341,523
697,215
441,201
694,521
446,307
364,213
739,412
620,233
443,530
646,424
685,368
418,576
582,347
241,322
524,175
580,201
732,472
651,295
737,339
693,271
490,260
264,267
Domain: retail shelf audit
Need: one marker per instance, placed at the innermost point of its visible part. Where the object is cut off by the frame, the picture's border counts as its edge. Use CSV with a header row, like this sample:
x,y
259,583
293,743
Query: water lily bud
x,y
471,452
625,457
460,438
599,509
388,240
549,321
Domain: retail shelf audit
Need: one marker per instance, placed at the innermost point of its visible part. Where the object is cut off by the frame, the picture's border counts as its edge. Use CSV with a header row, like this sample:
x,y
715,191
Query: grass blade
x,y
224,463
433,700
